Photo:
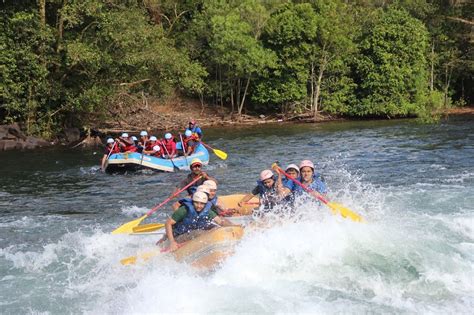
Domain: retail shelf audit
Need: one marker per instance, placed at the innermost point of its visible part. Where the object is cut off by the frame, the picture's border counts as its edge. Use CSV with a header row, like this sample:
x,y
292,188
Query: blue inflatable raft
x,y
132,161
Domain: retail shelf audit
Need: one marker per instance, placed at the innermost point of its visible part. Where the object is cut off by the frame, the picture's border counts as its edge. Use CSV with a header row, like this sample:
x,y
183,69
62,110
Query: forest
x,y
65,62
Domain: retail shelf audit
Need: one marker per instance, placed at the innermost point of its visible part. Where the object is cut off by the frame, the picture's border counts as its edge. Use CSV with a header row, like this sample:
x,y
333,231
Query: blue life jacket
x,y
288,183
213,201
192,189
196,130
317,185
268,196
194,220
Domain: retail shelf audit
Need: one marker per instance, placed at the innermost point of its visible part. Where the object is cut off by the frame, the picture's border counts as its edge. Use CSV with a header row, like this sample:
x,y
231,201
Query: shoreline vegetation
x,y
75,68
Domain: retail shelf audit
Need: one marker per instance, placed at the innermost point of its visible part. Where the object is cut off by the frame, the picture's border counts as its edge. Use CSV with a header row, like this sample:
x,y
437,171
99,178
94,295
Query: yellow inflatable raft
x,y
205,251
210,248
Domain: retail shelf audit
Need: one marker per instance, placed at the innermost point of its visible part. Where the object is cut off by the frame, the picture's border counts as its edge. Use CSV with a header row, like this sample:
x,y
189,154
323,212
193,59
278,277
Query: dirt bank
x,y
175,115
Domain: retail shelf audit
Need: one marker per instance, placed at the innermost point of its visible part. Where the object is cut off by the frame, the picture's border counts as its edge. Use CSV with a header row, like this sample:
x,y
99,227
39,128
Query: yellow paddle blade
x,y
127,228
147,227
220,154
344,212
143,256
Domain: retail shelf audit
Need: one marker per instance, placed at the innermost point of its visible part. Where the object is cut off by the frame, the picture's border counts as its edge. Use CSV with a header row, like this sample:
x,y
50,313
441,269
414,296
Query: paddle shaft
x,y
143,149
219,153
111,149
173,195
207,146
167,152
184,149
301,185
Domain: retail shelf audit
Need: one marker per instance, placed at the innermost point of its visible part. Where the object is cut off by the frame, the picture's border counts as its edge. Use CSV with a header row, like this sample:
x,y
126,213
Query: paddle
x,y
175,168
184,149
143,149
335,207
128,227
219,153
145,228
108,155
131,260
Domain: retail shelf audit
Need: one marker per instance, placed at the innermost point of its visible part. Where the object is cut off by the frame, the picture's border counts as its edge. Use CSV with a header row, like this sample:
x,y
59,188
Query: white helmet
x,y
204,189
200,196
293,166
134,138
124,135
168,136
210,183
266,174
153,138
110,140
188,133
143,133
156,148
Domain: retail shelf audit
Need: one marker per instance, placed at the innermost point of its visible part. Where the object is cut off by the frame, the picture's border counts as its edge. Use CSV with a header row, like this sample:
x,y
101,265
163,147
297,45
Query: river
x,y
414,184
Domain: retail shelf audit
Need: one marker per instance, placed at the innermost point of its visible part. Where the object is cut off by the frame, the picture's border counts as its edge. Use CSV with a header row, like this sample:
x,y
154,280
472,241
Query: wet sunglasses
x,y
196,166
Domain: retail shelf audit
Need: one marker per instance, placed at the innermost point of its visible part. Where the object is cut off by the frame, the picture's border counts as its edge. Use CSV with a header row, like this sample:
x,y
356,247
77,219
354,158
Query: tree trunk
x,y
432,68
447,81
238,94
220,89
232,99
60,27
241,105
42,12
318,85
311,102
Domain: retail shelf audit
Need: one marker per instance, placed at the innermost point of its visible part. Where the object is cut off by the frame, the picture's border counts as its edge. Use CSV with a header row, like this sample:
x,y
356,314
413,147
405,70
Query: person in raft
x,y
152,147
285,186
142,142
195,129
210,188
169,146
266,189
191,142
110,148
309,178
193,216
196,170
126,143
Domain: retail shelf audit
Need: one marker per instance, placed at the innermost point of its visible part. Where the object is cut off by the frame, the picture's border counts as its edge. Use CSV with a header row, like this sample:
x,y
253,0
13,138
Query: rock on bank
x,y
11,138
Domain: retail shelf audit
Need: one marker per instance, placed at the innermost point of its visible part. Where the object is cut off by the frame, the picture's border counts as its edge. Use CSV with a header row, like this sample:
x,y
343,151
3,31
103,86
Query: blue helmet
x,y
168,136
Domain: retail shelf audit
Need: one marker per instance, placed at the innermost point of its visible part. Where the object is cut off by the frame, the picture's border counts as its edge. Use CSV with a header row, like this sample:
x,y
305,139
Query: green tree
x,y
290,33
392,67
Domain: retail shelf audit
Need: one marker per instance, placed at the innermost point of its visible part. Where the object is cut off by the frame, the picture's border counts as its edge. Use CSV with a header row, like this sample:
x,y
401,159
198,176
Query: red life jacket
x,y
130,148
149,146
115,149
169,146
193,141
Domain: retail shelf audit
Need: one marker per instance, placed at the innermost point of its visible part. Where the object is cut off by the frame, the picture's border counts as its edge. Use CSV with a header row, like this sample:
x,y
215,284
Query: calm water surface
x,y
413,183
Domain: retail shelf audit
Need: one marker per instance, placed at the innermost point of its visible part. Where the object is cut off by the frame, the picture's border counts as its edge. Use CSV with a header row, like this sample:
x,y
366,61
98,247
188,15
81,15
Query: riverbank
x,y
175,115
158,117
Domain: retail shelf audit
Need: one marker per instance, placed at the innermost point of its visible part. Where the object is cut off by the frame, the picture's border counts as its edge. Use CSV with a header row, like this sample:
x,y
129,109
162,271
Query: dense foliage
x,y
63,62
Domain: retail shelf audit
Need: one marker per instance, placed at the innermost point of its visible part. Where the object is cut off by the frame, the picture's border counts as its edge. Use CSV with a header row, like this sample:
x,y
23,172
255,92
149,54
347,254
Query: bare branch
x,y
460,20
133,83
